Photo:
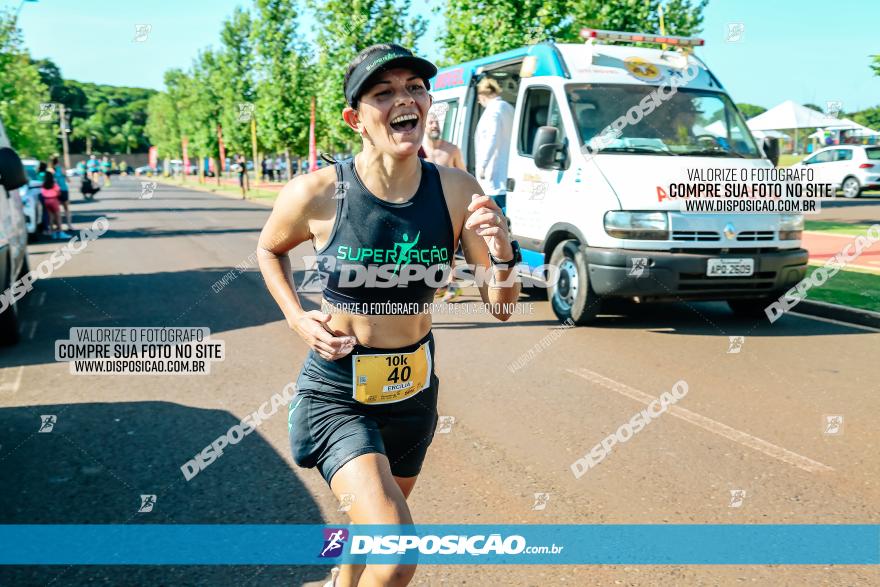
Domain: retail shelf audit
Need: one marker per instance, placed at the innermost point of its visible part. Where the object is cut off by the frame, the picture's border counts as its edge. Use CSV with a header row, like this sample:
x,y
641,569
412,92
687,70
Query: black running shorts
x,y
328,427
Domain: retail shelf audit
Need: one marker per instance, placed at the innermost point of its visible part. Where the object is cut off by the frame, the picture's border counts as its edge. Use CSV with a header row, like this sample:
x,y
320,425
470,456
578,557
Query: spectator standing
x,y
492,141
64,195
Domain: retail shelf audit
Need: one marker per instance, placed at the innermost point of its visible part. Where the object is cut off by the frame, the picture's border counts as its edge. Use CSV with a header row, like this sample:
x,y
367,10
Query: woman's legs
x,y
380,498
55,220
66,206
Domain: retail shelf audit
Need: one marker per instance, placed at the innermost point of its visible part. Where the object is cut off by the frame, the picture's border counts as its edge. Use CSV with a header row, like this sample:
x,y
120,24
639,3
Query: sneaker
x,y
63,235
453,292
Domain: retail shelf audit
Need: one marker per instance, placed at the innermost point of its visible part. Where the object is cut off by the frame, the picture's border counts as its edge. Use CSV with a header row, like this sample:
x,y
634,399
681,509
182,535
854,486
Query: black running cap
x,y
378,58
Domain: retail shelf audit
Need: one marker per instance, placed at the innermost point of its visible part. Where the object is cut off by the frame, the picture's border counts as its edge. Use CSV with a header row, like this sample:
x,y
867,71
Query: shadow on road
x,y
184,298
687,318
100,458
712,318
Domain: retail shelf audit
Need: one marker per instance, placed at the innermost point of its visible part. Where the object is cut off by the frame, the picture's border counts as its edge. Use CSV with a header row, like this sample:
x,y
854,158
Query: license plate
x,y
730,267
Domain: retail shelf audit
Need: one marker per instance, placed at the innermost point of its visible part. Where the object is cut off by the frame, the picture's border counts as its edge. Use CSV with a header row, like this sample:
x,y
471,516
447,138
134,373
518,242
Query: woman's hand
x,y
490,224
312,328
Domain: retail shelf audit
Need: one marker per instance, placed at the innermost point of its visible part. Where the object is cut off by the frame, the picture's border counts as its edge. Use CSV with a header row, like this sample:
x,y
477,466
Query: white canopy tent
x,y
849,125
789,114
773,134
719,129
792,115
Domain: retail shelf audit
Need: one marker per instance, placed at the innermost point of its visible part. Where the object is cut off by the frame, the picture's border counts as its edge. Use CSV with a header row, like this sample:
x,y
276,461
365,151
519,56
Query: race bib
x,y
385,379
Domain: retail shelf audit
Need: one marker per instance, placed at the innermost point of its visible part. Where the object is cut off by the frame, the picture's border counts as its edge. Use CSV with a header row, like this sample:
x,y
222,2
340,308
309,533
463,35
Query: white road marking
x,y
32,330
41,299
13,386
838,322
743,438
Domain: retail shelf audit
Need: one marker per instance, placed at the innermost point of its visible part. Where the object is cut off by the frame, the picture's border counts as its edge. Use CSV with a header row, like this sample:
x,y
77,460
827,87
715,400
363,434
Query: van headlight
x,y
791,227
637,225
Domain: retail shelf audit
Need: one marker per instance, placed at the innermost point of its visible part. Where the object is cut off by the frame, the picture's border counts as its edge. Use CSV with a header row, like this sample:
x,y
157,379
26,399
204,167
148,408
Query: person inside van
x,y
492,141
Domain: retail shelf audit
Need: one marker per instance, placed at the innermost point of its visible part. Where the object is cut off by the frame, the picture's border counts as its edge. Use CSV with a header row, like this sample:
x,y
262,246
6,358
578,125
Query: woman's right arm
x,y
287,227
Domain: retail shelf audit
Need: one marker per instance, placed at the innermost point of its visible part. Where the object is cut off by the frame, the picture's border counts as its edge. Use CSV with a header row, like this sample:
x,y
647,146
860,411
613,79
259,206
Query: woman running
x,y
366,406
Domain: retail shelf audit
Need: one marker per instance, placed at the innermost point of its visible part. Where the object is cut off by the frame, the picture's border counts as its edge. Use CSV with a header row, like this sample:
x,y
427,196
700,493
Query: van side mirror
x,y
548,153
771,150
12,175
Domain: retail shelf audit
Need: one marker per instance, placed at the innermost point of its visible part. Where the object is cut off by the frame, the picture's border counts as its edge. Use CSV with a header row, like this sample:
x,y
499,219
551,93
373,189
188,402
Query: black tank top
x,y
385,255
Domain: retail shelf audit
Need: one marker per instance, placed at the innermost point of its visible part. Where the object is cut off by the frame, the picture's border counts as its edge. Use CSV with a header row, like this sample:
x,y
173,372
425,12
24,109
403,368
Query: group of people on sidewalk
x,y
55,194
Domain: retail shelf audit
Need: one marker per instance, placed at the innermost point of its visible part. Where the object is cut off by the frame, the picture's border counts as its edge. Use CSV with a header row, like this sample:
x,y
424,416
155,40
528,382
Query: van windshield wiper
x,y
713,153
646,150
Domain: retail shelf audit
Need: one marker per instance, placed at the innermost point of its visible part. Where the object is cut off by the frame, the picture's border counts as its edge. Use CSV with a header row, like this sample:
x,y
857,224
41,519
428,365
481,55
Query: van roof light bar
x,y
600,35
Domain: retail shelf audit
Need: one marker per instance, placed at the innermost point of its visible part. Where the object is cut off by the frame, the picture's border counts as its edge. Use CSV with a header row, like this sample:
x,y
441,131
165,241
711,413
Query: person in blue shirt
x,y
61,180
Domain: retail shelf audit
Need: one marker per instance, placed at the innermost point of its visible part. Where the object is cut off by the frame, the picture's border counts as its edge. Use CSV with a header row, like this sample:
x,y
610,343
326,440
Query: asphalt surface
x,y
752,420
864,209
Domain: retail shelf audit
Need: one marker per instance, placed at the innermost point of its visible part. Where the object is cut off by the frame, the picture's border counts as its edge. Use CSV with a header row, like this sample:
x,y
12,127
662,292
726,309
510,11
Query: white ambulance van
x,y
592,204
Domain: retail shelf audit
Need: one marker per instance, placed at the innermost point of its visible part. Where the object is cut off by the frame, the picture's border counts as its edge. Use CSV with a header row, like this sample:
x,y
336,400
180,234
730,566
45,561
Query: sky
x,y
803,50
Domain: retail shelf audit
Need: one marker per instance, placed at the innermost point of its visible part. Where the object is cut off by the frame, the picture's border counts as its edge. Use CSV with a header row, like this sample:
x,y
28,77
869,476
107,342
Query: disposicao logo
x,y
334,542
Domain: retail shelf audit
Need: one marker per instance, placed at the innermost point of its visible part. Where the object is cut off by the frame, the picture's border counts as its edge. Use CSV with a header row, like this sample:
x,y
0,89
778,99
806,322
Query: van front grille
x,y
755,235
695,235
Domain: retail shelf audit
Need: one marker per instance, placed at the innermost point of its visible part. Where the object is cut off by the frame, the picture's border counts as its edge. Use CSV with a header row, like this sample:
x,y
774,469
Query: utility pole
x,y
257,169
62,119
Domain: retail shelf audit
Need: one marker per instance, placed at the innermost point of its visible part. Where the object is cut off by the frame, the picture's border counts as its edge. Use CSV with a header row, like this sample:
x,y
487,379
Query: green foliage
x,y
477,28
163,127
869,117
125,136
21,94
876,64
236,74
283,78
92,106
750,110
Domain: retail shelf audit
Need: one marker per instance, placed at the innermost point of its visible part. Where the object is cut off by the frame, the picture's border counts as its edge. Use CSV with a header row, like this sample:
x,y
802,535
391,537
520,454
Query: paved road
x,y
865,209
751,421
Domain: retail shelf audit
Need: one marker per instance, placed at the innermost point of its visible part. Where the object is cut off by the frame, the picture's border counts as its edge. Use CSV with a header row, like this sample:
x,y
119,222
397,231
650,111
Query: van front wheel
x,y
571,296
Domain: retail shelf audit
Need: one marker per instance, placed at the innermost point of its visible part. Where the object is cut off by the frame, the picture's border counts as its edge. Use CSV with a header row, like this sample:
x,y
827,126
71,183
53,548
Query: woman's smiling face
x,y
393,111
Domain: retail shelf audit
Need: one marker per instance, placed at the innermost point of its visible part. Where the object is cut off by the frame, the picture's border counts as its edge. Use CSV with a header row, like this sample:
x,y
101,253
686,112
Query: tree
x,y
126,136
283,79
30,125
876,65
91,129
236,79
750,110
475,28
869,117
163,128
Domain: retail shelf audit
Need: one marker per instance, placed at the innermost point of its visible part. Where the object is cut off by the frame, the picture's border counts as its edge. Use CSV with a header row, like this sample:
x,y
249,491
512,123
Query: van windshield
x,y
682,122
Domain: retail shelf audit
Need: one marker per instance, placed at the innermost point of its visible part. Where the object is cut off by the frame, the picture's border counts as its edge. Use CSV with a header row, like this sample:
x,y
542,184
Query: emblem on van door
x,y
729,231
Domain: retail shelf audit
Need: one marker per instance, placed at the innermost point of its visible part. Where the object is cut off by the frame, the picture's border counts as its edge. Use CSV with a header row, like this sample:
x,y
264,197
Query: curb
x,y
840,313
206,190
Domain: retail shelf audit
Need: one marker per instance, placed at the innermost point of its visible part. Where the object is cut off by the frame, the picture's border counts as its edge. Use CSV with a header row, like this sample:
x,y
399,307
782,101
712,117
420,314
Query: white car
x,y
30,198
850,168
13,239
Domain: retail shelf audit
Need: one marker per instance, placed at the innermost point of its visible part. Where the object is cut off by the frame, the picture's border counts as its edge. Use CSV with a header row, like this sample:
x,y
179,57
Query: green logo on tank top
x,y
400,253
